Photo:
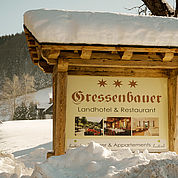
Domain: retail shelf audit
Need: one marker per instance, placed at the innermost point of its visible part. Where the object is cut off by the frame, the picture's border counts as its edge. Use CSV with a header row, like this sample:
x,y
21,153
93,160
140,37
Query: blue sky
x,y
11,11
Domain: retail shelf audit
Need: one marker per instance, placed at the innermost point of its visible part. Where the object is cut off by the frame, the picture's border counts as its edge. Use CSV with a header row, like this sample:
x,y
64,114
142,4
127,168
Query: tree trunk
x,y
159,7
176,11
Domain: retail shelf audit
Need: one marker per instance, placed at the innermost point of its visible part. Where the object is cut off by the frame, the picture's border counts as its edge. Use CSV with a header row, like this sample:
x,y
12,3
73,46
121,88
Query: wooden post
x,y
172,84
59,112
54,109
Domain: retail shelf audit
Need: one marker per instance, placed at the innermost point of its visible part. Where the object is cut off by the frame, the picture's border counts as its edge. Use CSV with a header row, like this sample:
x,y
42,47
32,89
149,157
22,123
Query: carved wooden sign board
x,y
121,96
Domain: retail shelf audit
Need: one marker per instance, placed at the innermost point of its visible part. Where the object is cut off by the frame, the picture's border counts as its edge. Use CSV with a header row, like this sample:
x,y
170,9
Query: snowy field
x,y
24,145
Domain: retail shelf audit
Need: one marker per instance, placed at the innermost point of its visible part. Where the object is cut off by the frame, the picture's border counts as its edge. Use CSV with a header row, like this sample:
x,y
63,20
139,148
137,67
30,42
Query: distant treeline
x,y
15,60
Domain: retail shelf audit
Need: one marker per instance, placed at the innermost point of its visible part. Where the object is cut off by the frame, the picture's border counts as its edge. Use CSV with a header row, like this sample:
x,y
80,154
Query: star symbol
x,y
102,83
132,83
117,83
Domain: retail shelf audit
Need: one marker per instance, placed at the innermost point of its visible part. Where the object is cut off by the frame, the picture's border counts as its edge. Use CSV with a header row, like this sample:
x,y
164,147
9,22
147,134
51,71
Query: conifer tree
x,y
20,112
32,111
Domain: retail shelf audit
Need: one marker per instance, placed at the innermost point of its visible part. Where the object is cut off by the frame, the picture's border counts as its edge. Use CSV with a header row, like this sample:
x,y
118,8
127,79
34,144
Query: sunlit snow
x,y
24,145
76,27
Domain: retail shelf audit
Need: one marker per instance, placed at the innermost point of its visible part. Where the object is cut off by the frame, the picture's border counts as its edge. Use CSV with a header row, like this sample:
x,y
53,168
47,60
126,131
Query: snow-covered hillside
x,y
41,97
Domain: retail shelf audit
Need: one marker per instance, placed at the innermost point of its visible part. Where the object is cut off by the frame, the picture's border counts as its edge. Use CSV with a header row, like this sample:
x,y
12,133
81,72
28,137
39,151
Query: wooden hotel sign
x,y
118,112
120,95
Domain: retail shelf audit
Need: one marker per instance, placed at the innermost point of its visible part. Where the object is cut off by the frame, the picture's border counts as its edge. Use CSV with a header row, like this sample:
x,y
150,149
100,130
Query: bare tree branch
x,y
142,9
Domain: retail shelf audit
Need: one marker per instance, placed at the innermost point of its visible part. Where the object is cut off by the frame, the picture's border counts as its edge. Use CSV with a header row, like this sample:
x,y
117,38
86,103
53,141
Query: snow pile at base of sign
x,y
77,27
20,166
10,167
96,161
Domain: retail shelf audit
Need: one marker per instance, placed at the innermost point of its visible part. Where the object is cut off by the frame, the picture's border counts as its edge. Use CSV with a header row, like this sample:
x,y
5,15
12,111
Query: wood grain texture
x,y
168,56
172,123
109,71
60,113
123,64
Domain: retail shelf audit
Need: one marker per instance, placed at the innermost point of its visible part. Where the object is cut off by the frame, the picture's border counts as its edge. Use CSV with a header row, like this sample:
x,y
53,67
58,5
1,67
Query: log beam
x,y
168,56
110,48
127,55
172,123
125,64
59,100
86,54
50,56
109,71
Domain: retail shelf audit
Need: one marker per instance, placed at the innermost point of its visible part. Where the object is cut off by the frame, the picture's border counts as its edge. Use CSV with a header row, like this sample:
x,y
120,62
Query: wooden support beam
x,y
123,64
31,43
44,66
168,56
50,56
146,57
110,48
86,54
54,54
98,55
172,122
51,61
59,106
61,66
60,112
41,66
110,71
127,55
54,110
59,99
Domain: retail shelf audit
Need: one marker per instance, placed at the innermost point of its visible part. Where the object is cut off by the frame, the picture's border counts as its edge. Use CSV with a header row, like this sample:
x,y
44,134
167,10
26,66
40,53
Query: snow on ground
x,y
24,144
24,134
60,26
96,161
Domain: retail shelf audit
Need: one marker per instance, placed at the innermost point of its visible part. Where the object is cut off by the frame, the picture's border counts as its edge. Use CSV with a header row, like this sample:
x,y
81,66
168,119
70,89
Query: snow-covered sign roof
x,y
74,27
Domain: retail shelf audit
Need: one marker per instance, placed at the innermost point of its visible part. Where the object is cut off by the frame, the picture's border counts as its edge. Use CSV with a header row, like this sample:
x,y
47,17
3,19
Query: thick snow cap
x,y
75,27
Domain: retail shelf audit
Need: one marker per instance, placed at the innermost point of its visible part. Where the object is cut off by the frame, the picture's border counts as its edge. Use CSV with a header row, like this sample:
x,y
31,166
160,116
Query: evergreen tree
x,y
20,112
32,111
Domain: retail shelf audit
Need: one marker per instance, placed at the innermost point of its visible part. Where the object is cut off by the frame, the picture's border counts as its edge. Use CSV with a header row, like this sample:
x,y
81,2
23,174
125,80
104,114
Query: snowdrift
x,y
24,155
96,161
